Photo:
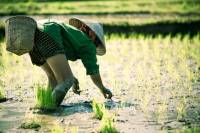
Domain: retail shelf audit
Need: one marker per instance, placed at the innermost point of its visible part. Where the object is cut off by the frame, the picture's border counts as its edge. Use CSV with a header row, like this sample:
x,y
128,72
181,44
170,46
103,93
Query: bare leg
x,y
60,68
63,75
51,78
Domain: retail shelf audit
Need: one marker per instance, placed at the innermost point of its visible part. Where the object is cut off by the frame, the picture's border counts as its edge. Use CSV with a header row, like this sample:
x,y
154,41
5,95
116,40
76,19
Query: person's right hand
x,y
106,93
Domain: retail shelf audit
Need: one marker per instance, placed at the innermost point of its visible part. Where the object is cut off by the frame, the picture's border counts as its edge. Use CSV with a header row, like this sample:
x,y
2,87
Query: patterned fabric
x,y
44,48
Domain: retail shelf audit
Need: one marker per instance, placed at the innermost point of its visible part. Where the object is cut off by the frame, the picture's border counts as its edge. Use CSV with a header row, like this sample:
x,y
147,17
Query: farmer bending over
x,y
52,44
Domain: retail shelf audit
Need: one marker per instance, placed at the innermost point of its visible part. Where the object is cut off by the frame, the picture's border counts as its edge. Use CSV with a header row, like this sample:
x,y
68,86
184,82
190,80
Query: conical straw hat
x,y
96,27
20,32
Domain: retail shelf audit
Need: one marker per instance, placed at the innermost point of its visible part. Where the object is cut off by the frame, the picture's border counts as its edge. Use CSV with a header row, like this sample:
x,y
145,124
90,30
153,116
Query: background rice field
x,y
155,80
99,7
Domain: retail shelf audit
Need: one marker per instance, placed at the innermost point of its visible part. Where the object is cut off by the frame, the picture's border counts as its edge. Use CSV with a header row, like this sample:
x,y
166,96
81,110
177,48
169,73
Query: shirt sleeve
x,y
89,59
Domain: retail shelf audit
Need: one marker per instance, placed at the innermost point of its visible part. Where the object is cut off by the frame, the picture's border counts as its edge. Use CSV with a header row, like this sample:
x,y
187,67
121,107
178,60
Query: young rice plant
x,y
107,125
44,99
99,109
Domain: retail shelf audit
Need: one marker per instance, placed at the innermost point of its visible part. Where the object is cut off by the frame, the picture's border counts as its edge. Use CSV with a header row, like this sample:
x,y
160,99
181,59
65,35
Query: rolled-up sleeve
x,y
89,59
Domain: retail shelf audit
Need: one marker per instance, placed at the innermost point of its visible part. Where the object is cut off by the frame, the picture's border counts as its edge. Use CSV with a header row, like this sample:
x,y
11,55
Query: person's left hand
x,y
75,87
106,93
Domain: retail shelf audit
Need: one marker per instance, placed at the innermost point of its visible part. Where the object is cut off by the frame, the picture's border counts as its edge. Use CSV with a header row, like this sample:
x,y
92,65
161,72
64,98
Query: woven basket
x,y
20,32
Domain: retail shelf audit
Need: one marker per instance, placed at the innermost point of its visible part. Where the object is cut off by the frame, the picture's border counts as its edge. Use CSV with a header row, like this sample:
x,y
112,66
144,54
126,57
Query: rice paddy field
x,y
98,6
152,66
155,82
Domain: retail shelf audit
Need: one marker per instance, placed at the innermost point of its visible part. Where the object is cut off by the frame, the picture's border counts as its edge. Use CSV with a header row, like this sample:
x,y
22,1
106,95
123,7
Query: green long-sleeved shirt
x,y
77,44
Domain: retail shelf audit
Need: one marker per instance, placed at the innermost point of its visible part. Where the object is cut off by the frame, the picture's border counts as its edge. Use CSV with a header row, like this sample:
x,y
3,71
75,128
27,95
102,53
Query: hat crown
x,y
96,27
98,30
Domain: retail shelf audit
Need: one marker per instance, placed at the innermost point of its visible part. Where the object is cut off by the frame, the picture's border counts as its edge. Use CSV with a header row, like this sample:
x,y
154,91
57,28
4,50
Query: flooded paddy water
x,y
155,82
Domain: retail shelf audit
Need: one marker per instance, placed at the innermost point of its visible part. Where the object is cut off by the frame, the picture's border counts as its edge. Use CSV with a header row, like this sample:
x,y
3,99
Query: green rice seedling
x,y
186,130
57,129
2,96
181,108
32,125
99,109
161,113
107,125
145,104
3,58
44,99
3,61
30,121
72,129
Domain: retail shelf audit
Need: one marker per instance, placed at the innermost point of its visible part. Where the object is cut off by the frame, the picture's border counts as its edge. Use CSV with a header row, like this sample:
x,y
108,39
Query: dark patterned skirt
x,y
44,47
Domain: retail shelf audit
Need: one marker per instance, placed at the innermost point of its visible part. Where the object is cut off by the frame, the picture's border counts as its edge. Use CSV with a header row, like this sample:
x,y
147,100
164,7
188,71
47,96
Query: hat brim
x,y
76,22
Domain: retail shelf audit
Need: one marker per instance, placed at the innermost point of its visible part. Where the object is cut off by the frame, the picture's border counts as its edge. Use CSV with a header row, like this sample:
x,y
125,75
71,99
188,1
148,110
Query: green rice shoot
x,y
31,125
1,95
44,99
57,129
107,124
99,109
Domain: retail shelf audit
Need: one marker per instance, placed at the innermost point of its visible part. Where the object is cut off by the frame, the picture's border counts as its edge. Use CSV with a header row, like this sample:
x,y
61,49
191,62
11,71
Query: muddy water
x,y
13,114
129,118
77,113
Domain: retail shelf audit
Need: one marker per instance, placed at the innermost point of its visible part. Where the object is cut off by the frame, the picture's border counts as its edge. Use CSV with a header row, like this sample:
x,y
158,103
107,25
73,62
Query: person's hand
x,y
75,87
106,93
